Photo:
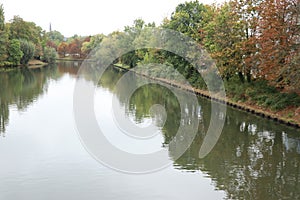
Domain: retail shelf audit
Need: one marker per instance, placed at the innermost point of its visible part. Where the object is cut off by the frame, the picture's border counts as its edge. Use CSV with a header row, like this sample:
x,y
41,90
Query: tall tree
x,y
2,18
62,49
189,18
20,29
3,36
75,47
224,37
248,15
55,36
278,41
126,41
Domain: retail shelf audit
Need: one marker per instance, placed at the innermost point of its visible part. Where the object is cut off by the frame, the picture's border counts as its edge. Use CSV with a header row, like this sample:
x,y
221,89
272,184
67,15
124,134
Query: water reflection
x,y
254,158
21,87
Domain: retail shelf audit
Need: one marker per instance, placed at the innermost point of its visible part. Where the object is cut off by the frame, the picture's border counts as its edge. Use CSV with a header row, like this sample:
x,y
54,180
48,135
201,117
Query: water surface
x,y
42,156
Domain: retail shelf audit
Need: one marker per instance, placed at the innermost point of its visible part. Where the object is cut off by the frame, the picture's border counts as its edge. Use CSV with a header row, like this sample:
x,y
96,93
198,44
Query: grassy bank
x,y
74,59
260,95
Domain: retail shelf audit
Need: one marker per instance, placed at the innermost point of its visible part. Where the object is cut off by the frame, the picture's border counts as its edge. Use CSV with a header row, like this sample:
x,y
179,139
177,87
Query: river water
x,y
42,156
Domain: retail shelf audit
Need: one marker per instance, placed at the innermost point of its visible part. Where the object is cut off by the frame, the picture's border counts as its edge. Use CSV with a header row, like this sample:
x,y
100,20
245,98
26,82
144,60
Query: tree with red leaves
x,y
62,49
75,48
278,41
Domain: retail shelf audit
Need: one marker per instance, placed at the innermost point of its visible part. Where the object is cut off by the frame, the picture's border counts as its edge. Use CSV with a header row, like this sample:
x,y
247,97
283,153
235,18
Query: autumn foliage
x,y
278,41
73,47
256,39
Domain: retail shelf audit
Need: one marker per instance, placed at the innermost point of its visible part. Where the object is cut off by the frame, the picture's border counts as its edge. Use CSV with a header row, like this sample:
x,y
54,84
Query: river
x,y
42,156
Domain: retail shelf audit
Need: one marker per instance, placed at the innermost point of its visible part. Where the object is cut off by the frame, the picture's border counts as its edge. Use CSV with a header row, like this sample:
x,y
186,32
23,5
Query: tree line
x,y
21,41
249,39
255,44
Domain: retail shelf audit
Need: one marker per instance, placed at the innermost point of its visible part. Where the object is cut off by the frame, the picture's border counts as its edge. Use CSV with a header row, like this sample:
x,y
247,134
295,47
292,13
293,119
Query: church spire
x,y
50,28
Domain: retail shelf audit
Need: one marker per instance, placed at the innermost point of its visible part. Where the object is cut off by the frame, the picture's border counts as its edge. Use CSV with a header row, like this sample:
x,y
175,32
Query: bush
x,y
7,64
49,55
28,49
14,53
262,94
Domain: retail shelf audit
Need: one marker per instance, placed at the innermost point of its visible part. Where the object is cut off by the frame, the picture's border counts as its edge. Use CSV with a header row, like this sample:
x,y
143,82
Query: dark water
x,y
42,156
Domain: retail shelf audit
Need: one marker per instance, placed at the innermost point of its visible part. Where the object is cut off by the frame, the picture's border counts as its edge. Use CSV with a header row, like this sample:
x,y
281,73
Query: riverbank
x,y
74,59
282,116
32,64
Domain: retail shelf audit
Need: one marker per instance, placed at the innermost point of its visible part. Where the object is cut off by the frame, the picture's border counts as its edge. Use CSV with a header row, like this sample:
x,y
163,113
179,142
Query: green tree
x,y
189,18
127,42
3,37
49,55
109,48
28,49
20,29
14,52
94,42
2,18
224,37
56,37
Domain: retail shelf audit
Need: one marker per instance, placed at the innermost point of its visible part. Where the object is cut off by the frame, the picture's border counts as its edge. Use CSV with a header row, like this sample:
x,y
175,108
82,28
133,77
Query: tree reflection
x,y
69,67
254,158
21,87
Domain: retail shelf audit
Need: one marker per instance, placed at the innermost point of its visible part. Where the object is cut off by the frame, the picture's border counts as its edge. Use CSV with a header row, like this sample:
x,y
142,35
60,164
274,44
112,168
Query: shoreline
x,y
33,64
258,111
74,59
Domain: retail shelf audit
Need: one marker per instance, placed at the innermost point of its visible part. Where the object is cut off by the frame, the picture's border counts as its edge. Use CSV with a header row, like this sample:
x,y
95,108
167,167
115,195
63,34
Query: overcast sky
x,y
89,17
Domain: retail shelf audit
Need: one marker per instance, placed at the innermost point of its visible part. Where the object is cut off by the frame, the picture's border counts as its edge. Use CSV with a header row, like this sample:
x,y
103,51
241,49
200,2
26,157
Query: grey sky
x,y
89,17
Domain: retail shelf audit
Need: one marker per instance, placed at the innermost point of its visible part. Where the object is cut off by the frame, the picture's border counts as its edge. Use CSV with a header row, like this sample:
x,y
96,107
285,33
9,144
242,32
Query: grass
x,y
262,94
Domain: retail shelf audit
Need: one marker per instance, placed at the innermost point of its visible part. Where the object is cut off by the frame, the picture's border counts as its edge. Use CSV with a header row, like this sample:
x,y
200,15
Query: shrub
x,y
262,94
28,49
14,53
49,55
